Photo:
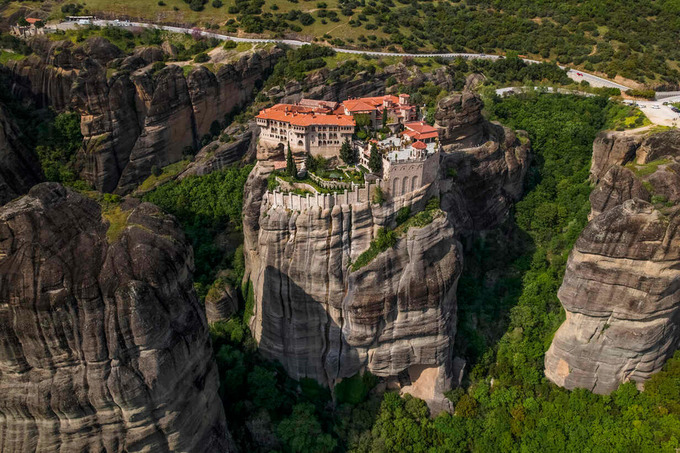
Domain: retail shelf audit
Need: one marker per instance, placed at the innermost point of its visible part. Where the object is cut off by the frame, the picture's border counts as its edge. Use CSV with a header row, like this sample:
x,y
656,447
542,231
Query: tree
x,y
347,153
262,389
375,161
22,21
310,163
302,432
291,170
215,128
384,118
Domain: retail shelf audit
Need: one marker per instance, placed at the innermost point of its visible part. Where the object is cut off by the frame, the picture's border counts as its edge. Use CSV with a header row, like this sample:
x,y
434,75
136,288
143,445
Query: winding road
x,y
577,76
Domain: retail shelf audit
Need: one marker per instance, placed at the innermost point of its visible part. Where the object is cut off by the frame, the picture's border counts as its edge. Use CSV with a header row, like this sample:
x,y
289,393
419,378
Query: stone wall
x,y
409,175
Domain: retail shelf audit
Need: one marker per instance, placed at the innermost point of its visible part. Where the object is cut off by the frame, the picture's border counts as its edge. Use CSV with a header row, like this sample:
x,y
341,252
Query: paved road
x,y
578,76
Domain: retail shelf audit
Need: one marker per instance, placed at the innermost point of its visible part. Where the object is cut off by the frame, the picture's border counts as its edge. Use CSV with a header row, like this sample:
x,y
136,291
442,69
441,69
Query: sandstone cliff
x,y
394,317
317,85
134,119
105,346
621,289
19,167
483,164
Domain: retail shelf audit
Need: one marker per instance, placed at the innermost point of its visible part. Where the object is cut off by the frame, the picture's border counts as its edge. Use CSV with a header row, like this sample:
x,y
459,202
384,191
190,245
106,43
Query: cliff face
x,y
318,86
483,164
105,345
19,167
394,317
134,119
621,289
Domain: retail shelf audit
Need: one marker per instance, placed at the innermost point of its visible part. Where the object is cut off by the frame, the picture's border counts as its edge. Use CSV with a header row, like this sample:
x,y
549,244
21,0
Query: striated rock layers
x,y
394,317
483,164
19,167
325,84
134,118
621,289
105,346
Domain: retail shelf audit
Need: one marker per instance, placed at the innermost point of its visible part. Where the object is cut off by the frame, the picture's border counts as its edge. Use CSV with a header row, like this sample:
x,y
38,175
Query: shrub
x,y
217,3
201,57
647,94
230,44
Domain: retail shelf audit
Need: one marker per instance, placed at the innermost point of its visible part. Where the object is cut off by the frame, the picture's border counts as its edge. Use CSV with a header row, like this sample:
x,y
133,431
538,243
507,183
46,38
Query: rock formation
x,y
459,120
105,346
621,289
394,317
320,84
19,167
218,155
483,164
618,148
135,118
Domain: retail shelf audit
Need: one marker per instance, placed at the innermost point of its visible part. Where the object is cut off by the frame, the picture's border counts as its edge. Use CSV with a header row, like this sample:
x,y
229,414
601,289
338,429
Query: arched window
x,y
414,183
299,142
395,187
404,184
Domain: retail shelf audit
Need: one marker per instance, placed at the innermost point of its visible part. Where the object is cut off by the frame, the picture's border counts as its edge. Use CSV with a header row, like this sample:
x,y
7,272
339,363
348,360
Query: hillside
x,y
635,40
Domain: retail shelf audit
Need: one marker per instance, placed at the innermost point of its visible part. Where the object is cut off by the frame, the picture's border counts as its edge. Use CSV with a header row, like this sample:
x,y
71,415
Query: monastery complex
x,y
408,148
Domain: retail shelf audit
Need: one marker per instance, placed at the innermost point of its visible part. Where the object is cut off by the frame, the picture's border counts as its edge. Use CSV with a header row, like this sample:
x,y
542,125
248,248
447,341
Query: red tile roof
x,y
358,105
420,130
420,126
420,136
32,20
419,145
303,116
372,103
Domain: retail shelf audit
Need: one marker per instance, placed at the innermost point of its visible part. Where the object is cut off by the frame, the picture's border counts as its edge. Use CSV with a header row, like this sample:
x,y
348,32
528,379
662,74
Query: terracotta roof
x,y
303,116
421,136
372,103
419,145
358,105
420,126
32,20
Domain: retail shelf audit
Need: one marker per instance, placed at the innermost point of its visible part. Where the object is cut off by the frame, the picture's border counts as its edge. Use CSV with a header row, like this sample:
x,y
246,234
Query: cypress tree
x,y
375,161
310,163
290,163
347,153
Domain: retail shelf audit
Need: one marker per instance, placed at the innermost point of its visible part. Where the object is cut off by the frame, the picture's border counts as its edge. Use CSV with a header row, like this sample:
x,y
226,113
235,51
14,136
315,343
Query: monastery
x,y
410,154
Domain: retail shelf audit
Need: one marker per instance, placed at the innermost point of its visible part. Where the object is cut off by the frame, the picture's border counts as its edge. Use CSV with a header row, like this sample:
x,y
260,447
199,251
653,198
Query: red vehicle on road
x,y
579,74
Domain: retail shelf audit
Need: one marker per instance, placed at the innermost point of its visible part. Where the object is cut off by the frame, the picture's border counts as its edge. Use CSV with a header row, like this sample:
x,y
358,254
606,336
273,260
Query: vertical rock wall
x,y
134,119
104,345
621,288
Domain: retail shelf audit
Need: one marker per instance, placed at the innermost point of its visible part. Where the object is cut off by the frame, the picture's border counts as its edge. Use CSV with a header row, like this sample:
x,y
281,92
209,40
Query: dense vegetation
x,y
635,39
209,207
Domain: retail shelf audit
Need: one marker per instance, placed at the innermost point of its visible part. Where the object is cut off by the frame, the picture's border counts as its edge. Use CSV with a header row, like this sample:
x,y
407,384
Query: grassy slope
x,y
561,34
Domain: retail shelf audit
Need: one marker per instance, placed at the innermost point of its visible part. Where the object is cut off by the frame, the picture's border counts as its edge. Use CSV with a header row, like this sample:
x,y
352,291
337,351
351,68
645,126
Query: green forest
x,y
504,329
636,39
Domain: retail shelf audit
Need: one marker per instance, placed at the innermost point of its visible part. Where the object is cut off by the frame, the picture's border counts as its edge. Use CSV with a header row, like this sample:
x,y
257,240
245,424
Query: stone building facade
x,y
313,130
